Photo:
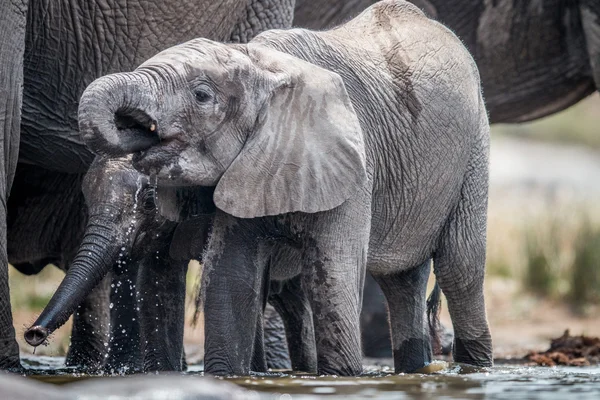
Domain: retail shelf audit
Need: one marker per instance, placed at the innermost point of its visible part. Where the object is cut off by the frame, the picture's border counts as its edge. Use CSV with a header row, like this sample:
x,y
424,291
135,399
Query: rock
x,y
577,351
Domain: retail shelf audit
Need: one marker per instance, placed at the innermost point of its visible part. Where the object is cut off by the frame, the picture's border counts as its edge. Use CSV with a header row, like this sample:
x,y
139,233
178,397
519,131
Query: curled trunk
x,y
114,114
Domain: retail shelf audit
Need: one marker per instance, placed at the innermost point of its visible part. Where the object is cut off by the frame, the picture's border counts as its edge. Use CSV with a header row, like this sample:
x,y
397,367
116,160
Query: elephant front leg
x,y
161,302
374,326
124,354
233,299
13,20
333,279
406,292
91,330
259,351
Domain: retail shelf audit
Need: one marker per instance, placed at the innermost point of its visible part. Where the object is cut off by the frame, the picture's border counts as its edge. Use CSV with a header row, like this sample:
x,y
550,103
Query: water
x,y
452,381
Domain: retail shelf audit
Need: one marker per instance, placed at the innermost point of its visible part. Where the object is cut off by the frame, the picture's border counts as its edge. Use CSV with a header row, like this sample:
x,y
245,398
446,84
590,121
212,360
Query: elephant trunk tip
x,y
36,335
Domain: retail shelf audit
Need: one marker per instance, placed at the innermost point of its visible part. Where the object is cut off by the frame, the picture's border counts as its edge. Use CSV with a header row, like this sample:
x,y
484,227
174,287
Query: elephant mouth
x,y
135,119
152,161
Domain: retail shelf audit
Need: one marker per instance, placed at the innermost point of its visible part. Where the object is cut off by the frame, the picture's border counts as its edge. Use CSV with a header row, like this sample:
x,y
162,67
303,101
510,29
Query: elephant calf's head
x,y
273,133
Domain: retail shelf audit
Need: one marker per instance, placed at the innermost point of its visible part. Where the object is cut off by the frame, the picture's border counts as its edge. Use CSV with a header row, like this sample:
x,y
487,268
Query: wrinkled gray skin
x,y
403,179
49,52
535,57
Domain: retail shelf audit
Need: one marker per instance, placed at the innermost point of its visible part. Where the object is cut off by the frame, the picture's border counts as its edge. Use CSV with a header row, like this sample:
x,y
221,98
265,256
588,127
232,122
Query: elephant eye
x,y
202,96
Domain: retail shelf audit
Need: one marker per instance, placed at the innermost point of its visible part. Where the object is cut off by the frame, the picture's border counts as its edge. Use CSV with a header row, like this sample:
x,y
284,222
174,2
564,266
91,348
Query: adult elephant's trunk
x,y
116,114
97,253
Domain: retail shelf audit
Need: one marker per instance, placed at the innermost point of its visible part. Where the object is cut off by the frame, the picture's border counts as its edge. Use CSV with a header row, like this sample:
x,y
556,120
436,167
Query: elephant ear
x,y
306,151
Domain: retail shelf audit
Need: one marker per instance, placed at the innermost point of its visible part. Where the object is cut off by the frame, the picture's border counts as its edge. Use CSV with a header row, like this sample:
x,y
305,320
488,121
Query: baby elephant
x,y
362,147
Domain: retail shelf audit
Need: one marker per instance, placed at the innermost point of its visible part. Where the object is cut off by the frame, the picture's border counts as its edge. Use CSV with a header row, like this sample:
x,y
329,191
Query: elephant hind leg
x,y
405,292
459,266
275,344
160,292
295,310
374,326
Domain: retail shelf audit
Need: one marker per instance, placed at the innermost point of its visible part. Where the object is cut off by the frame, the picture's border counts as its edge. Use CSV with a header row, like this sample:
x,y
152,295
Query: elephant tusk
x,y
152,127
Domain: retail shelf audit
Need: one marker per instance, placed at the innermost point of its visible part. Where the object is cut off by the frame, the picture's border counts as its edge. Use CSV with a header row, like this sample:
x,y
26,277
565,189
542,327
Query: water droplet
x,y
111,305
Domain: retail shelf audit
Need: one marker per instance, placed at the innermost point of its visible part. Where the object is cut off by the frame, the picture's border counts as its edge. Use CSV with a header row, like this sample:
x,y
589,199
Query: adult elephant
x,y
535,58
49,52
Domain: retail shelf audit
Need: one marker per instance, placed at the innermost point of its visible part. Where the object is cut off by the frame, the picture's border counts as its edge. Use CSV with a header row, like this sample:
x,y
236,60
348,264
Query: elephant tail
x,y
434,303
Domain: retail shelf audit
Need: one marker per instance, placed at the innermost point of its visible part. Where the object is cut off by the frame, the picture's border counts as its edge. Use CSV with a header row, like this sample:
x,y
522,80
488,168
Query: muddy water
x,y
451,381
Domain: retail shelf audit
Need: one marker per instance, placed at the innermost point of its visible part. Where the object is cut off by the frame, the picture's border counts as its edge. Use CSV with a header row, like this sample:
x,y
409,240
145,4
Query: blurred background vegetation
x,y
543,264
546,234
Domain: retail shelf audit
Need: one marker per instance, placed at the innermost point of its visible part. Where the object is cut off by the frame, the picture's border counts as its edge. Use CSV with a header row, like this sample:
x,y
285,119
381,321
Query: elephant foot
x,y
9,361
376,342
122,365
476,352
412,355
121,369
446,338
124,356
86,358
11,364
355,369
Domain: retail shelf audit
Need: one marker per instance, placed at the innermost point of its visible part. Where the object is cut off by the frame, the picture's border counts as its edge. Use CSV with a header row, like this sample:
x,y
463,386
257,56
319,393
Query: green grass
x,y
32,293
541,275
563,262
585,276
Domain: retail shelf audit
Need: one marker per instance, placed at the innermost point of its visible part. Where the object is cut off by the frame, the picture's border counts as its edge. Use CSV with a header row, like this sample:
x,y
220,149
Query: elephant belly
x,y
401,240
409,210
